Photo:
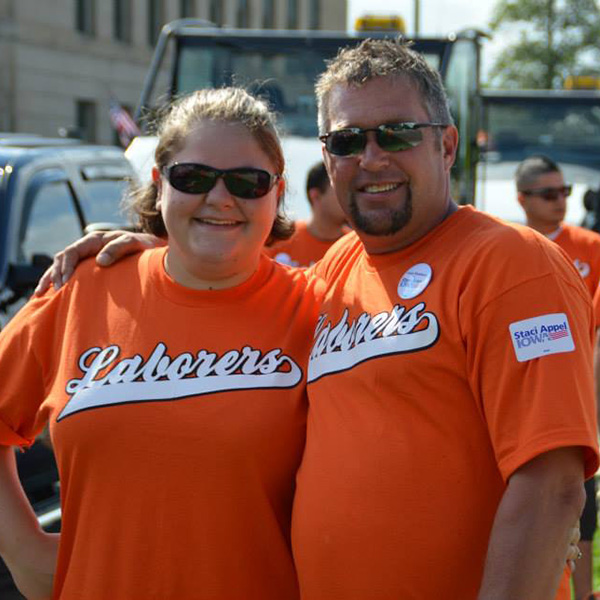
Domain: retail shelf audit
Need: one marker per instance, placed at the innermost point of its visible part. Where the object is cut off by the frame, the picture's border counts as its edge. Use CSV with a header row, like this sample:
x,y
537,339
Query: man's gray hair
x,y
372,58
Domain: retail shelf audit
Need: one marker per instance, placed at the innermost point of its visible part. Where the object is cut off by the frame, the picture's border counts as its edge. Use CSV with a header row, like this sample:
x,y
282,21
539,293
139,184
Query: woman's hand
x,y
33,569
108,246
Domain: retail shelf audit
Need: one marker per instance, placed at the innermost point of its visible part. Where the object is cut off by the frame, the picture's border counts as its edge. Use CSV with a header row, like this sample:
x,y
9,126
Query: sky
x,y
438,17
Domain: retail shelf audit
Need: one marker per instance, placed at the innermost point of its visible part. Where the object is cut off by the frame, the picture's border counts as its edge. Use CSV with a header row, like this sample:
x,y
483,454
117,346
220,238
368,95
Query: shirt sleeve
x,y
26,363
535,395
596,303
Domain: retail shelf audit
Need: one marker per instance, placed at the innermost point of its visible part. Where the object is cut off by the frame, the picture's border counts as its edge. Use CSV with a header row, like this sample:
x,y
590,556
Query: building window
x,y
122,20
292,16
86,119
216,12
314,17
268,14
187,8
242,13
156,19
85,16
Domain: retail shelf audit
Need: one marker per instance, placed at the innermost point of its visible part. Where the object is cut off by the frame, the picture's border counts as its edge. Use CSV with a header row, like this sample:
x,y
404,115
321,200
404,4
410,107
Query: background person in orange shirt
x,y
313,238
542,192
177,421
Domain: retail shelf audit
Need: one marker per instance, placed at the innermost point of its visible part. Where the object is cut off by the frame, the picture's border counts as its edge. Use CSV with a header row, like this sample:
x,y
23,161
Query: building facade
x,y
63,60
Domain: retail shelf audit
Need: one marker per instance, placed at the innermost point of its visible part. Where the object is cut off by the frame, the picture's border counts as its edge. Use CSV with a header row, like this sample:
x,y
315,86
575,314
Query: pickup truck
x,y
51,192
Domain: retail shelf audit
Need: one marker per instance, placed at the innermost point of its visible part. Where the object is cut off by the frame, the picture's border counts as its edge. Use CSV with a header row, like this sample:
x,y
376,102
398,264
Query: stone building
x,y
62,60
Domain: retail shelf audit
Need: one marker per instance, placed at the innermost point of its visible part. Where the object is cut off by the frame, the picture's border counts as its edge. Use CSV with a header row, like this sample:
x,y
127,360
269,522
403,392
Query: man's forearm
x,y
530,536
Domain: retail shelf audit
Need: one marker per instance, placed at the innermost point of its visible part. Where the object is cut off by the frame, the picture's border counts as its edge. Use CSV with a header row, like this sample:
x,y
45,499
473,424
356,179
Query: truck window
x,y
568,132
104,202
563,125
282,66
284,73
106,186
49,220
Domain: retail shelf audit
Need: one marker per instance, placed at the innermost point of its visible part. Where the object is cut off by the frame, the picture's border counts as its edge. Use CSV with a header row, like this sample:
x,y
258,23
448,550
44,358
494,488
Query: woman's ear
x,y
280,189
157,181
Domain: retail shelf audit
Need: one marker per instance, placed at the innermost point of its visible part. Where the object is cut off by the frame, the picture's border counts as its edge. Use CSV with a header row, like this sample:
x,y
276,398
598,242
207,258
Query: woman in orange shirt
x,y
173,385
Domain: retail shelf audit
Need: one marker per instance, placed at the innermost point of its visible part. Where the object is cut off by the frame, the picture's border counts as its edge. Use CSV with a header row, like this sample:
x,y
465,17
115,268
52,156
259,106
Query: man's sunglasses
x,y
194,178
550,193
391,137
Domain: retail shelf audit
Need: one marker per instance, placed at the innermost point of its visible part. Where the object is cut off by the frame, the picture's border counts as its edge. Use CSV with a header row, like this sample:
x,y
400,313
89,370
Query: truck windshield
x,y
282,66
282,70
565,128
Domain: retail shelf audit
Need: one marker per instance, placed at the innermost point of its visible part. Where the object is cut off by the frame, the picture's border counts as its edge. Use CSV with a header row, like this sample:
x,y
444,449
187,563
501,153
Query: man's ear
x,y
313,195
521,199
449,145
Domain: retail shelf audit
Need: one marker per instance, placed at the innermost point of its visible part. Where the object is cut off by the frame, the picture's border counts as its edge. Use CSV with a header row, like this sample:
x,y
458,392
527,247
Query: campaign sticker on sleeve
x,y
414,281
540,336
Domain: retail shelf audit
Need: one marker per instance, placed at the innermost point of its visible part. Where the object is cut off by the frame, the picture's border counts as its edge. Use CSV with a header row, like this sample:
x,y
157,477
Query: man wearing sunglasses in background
x,y
451,408
542,192
327,224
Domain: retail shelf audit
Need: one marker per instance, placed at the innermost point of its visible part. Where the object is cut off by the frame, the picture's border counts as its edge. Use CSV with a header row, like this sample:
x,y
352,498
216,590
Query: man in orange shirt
x,y
327,224
451,408
542,192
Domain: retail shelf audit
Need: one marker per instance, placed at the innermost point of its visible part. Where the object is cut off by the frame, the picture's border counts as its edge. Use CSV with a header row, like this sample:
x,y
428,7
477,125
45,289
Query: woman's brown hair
x,y
227,105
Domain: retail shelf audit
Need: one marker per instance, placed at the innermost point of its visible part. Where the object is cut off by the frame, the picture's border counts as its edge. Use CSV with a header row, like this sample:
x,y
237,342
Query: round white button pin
x,y
414,281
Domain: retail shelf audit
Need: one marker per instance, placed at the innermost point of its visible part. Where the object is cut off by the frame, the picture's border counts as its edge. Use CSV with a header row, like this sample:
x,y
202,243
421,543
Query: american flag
x,y
556,335
122,122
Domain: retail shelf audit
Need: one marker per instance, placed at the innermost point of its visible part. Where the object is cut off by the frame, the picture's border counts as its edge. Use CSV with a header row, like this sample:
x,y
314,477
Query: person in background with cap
x,y
313,238
542,193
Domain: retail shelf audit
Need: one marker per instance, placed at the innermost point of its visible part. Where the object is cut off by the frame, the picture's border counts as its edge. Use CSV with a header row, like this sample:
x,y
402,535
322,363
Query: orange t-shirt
x,y
435,373
303,249
596,302
583,246
178,420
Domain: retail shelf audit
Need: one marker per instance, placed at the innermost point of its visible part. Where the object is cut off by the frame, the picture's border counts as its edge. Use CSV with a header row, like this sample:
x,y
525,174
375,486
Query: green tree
x,y
556,39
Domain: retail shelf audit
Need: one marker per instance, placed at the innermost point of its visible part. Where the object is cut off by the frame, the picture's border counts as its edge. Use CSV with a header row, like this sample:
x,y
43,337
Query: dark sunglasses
x,y
245,182
550,193
391,137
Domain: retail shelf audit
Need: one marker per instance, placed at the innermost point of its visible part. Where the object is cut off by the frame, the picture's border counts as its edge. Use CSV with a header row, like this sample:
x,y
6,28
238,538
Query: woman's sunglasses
x,y
194,178
550,193
391,137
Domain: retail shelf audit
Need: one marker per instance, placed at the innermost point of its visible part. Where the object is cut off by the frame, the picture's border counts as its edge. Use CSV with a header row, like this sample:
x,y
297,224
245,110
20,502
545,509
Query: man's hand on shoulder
x,y
107,246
